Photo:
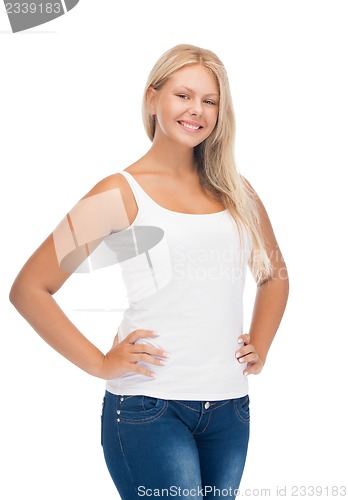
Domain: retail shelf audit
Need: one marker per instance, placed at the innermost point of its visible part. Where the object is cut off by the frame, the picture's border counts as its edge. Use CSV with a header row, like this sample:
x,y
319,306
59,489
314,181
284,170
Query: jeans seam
x,y
205,428
125,459
222,404
186,406
101,420
238,414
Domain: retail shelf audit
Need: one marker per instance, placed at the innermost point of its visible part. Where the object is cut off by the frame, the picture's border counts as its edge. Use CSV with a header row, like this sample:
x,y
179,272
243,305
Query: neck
x,y
175,159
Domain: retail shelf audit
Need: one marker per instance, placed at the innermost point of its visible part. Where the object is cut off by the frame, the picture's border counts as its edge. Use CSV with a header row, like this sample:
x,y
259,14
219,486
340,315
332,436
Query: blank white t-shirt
x,y
185,280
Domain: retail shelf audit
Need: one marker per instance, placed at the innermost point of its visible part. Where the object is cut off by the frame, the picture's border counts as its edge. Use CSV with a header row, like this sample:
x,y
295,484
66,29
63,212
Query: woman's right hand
x,y
123,356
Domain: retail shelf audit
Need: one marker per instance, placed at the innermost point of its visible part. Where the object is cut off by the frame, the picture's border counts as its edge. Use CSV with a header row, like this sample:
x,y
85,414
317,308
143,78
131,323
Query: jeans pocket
x,y
139,408
242,410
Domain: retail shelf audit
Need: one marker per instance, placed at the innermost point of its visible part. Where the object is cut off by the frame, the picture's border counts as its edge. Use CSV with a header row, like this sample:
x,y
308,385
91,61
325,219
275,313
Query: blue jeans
x,y
175,448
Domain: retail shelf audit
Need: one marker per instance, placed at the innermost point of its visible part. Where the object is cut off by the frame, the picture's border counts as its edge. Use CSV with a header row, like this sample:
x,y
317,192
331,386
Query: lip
x,y
194,124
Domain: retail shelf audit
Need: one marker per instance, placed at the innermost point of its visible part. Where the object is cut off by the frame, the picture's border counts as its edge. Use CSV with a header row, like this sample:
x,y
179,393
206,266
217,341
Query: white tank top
x,y
184,279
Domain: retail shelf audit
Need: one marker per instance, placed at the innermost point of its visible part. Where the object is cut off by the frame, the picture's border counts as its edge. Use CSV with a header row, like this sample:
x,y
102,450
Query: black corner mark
x,y
24,15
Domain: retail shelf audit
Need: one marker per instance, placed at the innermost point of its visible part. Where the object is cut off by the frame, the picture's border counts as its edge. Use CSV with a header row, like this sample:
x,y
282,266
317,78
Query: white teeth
x,y
187,125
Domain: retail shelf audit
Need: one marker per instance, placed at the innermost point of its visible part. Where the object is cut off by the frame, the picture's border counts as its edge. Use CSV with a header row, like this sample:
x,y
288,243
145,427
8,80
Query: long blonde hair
x,y
215,157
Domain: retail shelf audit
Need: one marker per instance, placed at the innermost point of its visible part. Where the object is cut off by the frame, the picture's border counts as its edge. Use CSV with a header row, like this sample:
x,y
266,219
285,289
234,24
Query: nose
x,y
196,108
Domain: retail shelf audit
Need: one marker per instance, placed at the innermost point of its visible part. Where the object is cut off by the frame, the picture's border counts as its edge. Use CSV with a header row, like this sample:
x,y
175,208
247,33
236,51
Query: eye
x,y
182,96
211,103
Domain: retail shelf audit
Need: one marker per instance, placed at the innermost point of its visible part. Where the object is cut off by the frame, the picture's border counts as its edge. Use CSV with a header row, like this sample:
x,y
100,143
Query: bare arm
x,y
32,295
270,302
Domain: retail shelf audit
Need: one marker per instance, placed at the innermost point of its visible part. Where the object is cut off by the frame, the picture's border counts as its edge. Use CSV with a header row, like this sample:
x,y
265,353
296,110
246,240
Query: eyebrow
x,y
192,92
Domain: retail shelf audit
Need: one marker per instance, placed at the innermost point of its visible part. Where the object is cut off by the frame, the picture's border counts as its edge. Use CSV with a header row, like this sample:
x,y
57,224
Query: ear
x,y
151,95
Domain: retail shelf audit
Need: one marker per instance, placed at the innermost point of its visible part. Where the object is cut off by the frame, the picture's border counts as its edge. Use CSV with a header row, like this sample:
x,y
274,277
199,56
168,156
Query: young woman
x,y
184,225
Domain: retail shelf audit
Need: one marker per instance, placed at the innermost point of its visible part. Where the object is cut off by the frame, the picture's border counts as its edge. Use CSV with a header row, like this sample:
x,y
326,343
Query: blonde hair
x,y
215,157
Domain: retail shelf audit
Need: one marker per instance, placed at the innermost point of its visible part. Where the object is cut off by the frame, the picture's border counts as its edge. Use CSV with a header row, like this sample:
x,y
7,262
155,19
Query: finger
x,y
146,358
245,337
137,334
149,349
243,351
253,368
249,358
141,370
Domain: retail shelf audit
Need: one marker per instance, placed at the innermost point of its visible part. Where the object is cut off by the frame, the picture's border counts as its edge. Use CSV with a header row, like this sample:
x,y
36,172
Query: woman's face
x,y
186,107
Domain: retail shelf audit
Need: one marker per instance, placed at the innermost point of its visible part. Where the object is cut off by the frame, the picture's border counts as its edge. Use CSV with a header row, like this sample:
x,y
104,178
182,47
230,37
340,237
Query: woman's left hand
x,y
248,356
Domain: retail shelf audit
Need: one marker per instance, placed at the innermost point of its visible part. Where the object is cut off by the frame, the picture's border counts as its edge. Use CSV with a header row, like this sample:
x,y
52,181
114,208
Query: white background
x,y
70,97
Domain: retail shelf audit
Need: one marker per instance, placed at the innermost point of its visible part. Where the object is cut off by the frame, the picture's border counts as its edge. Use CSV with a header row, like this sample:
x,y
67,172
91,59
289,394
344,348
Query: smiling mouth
x,y
189,126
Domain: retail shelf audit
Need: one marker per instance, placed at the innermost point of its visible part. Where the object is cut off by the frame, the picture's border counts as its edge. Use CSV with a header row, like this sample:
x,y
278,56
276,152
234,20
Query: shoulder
x,y
264,221
262,216
119,181
248,186
114,181
251,192
107,188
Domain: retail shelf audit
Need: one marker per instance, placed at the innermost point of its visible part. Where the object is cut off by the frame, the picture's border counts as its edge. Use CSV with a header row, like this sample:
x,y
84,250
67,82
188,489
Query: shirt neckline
x,y
167,209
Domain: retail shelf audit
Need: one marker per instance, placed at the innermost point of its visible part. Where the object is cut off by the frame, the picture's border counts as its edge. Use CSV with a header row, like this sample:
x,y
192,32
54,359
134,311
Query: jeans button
x,y
207,404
